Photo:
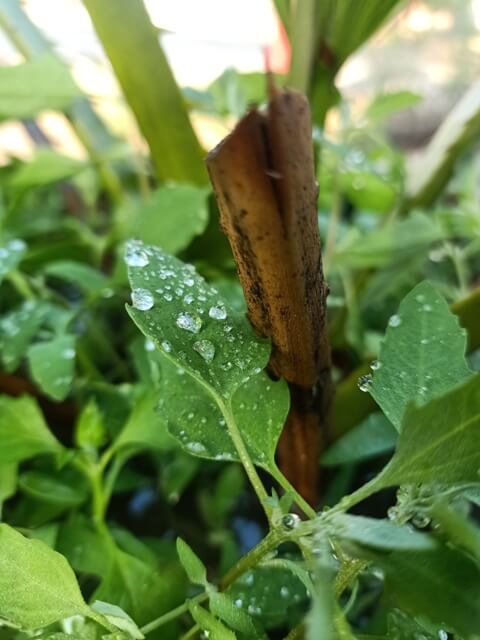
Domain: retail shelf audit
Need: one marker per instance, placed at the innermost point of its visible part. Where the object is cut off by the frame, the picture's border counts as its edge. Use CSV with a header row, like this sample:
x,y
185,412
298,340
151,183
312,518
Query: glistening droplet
x,y
189,322
142,299
206,349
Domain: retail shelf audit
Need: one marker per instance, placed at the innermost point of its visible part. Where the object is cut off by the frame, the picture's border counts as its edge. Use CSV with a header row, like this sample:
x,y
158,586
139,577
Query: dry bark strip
x,y
264,180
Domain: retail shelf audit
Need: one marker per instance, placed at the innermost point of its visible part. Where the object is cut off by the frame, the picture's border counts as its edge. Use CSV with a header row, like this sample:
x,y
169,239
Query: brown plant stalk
x,y
264,180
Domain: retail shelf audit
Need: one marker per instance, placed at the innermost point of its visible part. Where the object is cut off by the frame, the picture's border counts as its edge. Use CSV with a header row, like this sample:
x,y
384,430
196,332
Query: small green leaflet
x,y
207,622
83,275
52,364
379,534
155,223
195,420
223,607
186,318
17,329
439,441
192,564
145,428
37,586
117,616
422,356
66,488
372,437
11,254
23,432
46,167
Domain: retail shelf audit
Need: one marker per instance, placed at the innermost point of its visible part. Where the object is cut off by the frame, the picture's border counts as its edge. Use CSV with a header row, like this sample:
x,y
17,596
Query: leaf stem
x,y
171,615
289,488
244,456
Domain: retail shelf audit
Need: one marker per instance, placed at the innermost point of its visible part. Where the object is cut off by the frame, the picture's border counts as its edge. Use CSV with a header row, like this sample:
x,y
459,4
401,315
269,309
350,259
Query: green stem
x,y
21,284
244,456
289,488
303,41
191,633
297,633
171,615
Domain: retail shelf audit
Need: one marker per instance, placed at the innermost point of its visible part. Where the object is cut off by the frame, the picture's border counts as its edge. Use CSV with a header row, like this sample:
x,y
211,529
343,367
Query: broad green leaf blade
x,y
440,584
380,534
85,549
422,356
37,586
23,432
46,167
17,329
192,564
196,421
90,430
11,254
145,428
149,86
439,441
52,364
207,622
374,436
34,86
426,180
172,217
186,318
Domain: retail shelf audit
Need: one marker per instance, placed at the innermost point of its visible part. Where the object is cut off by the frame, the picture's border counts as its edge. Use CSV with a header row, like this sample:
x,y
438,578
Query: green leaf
x,y
385,104
11,254
439,441
380,534
90,431
196,421
192,564
394,241
458,530
86,550
40,84
117,616
440,584
23,432
84,276
207,622
172,216
145,427
272,596
46,167
37,586
132,45
374,436
427,178
52,364
139,589
8,481
190,322
222,607
66,488
369,191
422,356
17,329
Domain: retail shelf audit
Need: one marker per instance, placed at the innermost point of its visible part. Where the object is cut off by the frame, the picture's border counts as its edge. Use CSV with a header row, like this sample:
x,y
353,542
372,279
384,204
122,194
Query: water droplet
x,y
167,297
135,256
142,299
217,312
420,520
424,341
364,382
69,353
206,349
420,297
17,245
189,282
238,603
427,307
375,365
195,447
189,322
442,635
284,592
166,346
290,521
149,345
249,579
395,321
188,299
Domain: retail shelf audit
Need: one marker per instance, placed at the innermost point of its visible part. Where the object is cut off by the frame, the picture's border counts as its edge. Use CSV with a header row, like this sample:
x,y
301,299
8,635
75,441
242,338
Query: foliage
x,y
135,405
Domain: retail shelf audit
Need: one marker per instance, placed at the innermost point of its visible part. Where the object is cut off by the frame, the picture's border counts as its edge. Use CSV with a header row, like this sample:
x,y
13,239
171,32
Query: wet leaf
x,y
52,364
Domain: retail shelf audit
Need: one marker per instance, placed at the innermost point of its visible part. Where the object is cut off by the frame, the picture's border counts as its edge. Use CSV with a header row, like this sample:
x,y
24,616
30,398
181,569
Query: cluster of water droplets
x,y
413,504
161,280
